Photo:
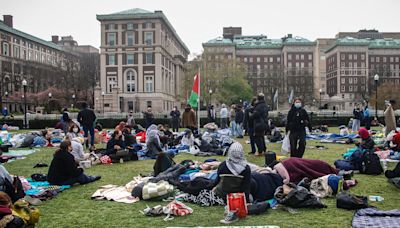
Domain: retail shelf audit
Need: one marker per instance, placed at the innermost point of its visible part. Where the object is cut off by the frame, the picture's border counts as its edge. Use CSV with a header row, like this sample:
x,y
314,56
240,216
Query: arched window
x,y
130,81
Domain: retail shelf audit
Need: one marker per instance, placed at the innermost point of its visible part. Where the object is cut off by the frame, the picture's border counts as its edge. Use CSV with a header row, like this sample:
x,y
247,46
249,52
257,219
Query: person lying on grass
x,y
64,171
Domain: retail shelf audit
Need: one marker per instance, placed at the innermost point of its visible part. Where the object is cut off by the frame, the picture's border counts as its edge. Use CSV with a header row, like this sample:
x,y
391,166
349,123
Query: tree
x,y
386,91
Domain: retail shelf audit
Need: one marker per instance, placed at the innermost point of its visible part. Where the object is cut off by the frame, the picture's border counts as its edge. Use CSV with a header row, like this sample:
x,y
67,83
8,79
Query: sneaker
x,y
96,178
230,217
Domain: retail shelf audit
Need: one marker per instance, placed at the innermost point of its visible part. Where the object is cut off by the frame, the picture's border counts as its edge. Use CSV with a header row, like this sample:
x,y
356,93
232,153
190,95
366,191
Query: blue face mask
x,y
297,105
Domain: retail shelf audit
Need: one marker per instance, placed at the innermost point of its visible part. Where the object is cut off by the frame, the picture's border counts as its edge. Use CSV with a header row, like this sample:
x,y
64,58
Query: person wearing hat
x,y
390,119
367,143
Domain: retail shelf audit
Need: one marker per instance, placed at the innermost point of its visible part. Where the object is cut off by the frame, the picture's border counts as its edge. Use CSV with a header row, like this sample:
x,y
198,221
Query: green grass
x,y
74,208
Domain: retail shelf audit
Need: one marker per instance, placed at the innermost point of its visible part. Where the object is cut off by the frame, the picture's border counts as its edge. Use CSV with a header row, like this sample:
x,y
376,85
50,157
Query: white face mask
x,y
75,130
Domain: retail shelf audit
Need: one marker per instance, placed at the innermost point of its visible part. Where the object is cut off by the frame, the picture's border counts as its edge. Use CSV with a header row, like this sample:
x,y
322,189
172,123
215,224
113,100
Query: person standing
x,y
390,119
239,116
297,120
367,118
189,118
148,117
357,117
130,120
248,124
211,114
232,123
224,116
260,123
175,116
87,119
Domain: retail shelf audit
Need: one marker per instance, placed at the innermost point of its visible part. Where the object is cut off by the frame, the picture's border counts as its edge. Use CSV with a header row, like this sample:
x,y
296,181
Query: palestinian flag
x,y
194,96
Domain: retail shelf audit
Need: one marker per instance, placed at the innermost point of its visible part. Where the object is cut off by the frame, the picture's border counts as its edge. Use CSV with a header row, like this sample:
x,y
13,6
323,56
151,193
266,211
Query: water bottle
x,y
376,198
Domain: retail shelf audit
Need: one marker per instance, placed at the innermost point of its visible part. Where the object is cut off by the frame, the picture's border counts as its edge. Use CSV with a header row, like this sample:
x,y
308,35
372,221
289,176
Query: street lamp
x,y
320,98
24,84
103,94
376,79
73,100
210,92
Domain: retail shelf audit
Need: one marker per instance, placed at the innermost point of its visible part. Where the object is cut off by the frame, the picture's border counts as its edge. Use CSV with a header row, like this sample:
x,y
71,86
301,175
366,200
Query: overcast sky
x,y
201,20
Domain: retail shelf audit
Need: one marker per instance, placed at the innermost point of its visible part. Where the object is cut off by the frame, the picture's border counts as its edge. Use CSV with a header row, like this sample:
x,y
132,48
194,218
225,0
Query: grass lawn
x,y
74,208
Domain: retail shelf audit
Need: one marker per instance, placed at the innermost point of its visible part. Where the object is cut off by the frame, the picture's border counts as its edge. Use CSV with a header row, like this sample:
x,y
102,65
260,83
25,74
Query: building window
x,y
362,57
130,38
342,56
245,59
355,80
111,39
129,59
112,83
149,58
310,57
343,88
350,80
16,52
384,59
377,59
147,25
148,84
289,64
111,59
130,81
302,57
372,59
111,26
5,49
341,64
278,59
297,64
397,59
258,59
148,104
355,57
129,26
289,56
343,80
302,65
148,38
351,88
350,57
251,59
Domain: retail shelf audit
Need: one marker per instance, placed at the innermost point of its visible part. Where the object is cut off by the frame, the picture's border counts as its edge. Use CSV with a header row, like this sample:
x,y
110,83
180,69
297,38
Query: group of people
x,y
362,115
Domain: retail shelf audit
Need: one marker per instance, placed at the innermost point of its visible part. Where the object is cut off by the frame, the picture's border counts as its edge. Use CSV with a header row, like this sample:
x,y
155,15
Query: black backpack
x,y
15,189
371,164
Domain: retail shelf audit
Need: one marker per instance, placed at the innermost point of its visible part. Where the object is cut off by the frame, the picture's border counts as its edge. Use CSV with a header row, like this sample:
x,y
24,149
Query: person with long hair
x,y
64,171
74,131
297,120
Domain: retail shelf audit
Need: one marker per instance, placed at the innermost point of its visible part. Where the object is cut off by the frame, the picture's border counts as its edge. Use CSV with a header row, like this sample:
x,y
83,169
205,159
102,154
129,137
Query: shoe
x,y
230,217
251,153
96,178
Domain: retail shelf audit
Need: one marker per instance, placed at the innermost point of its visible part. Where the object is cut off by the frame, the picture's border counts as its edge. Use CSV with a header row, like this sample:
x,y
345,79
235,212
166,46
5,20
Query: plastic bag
x,y
237,203
286,145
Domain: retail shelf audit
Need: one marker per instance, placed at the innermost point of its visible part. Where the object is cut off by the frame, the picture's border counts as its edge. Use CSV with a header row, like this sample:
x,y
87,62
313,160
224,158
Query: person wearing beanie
x,y
234,174
367,143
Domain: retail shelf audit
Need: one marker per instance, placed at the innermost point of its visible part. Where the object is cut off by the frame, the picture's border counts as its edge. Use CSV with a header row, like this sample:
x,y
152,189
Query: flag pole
x,y
198,105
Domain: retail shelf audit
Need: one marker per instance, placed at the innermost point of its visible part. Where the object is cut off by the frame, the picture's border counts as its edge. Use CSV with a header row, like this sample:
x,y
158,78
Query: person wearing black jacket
x,y
175,118
116,143
239,116
248,124
63,169
260,123
87,118
297,120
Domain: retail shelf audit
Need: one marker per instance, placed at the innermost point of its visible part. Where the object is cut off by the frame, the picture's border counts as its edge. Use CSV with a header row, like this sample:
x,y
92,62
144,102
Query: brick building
x,y
41,63
284,64
352,63
141,61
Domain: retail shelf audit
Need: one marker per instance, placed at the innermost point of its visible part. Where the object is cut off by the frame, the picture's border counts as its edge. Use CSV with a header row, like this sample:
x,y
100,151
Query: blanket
x,y
298,168
43,190
372,217
15,154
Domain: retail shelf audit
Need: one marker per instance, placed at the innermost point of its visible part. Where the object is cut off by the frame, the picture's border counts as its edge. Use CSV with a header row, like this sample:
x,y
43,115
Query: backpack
x,y
371,164
348,201
15,190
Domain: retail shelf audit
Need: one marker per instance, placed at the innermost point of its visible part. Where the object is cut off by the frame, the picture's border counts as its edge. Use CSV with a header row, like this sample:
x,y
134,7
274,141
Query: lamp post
x,y
376,79
50,96
24,84
210,92
320,98
103,94
73,100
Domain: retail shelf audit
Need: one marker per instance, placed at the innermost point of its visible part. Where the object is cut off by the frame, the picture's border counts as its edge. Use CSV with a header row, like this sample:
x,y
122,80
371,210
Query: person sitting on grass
x,y
120,126
7,219
74,132
130,142
367,143
153,142
77,149
187,139
115,143
234,174
63,169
